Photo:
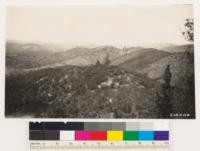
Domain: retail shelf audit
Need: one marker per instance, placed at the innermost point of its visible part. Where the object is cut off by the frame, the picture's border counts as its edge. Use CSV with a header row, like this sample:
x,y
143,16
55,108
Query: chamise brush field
x,y
100,82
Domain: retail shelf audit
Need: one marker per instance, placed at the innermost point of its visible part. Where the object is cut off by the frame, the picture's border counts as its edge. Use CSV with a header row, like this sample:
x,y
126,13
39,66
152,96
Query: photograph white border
x,y
19,125
90,2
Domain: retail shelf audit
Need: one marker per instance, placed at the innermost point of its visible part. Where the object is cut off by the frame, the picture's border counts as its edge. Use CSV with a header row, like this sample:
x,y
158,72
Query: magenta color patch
x,y
82,135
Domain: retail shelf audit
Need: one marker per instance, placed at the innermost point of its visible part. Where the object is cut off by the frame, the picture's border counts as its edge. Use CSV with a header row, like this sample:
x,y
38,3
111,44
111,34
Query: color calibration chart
x,y
98,135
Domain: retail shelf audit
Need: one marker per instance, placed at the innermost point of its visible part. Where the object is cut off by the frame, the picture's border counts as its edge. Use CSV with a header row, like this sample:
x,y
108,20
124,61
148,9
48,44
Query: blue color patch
x,y
146,135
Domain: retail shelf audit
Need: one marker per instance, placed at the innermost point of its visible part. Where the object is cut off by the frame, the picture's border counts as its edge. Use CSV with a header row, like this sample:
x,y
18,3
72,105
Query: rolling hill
x,y
179,65
178,48
152,63
30,56
139,58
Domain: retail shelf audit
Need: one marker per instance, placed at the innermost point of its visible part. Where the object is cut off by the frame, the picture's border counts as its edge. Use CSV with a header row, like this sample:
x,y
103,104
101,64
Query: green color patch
x,y
130,135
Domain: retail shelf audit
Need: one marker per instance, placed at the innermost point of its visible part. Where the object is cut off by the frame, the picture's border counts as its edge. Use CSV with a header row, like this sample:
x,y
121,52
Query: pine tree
x,y
107,60
188,34
167,76
167,92
98,63
164,100
189,101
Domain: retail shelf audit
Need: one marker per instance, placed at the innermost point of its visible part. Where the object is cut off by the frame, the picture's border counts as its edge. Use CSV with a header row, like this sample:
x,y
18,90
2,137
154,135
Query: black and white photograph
x,y
100,61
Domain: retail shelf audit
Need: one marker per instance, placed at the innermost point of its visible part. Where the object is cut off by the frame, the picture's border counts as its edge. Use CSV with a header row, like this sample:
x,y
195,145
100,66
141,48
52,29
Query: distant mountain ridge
x,y
178,48
35,56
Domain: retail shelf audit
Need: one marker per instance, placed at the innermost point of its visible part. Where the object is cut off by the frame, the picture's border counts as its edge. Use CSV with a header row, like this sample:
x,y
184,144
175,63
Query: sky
x,y
117,25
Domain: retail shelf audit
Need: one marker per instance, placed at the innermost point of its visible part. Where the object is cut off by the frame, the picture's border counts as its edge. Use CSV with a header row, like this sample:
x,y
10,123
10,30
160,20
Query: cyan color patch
x,y
146,135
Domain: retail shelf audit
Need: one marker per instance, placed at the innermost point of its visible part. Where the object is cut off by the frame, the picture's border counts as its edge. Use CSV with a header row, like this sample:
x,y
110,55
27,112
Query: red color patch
x,y
99,135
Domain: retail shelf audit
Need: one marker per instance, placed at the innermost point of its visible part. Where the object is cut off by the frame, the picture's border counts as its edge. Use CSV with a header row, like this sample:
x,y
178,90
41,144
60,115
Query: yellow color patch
x,y
114,135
